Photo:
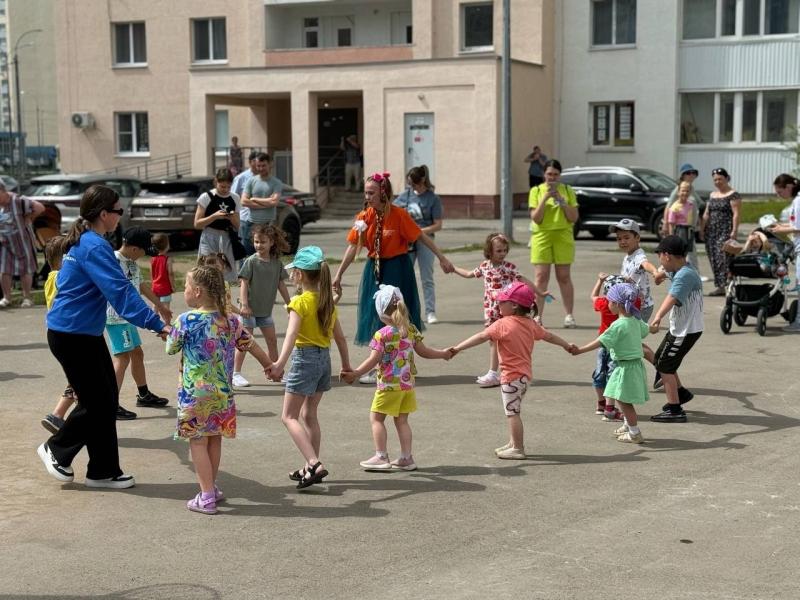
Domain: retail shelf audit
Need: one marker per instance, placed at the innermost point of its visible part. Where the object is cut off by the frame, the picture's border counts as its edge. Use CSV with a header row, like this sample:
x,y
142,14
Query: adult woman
x,y
90,279
554,209
425,208
218,212
235,157
787,187
386,232
720,223
17,250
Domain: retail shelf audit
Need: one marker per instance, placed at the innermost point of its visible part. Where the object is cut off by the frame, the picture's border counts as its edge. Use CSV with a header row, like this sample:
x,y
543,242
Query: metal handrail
x,y
326,169
175,165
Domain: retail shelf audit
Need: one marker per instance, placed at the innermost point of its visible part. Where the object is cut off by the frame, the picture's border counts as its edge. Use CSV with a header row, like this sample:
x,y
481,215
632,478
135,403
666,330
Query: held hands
x,y
348,376
655,325
659,277
274,372
164,312
165,331
446,265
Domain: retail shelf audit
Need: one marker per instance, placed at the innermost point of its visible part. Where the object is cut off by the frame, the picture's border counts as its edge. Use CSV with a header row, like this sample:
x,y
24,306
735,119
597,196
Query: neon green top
x,y
554,217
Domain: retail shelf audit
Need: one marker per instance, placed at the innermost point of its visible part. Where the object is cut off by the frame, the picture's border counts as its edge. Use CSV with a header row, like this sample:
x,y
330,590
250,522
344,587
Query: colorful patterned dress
x,y
396,370
205,399
495,278
17,247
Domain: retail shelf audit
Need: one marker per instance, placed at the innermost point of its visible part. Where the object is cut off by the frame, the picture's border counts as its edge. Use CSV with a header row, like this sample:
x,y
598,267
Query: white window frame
x,y
739,28
135,116
132,62
211,60
612,109
462,9
613,45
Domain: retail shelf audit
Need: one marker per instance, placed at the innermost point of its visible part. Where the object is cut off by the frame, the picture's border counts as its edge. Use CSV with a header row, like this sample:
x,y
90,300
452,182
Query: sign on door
x,y
419,141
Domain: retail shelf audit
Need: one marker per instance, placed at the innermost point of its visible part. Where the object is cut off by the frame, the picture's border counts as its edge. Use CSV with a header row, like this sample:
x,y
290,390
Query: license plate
x,y
156,212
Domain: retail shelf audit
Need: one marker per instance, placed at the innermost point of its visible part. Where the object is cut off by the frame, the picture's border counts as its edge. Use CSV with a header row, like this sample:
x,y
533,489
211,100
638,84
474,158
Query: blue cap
x,y
687,168
308,258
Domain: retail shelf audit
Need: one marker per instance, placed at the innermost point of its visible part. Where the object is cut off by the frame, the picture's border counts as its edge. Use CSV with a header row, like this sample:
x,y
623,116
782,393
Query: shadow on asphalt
x,y
30,346
9,375
148,592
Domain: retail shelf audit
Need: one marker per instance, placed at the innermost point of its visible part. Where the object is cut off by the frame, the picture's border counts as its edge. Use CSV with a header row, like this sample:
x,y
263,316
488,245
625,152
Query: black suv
x,y
608,194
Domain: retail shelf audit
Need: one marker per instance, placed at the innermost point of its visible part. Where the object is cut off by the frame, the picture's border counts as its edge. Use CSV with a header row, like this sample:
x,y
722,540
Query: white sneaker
x,y
491,379
369,378
239,381
703,278
569,322
5,303
432,320
27,303
512,454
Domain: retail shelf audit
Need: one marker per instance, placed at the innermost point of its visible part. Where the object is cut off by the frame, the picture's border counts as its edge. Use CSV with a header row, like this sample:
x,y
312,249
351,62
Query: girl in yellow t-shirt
x,y
312,323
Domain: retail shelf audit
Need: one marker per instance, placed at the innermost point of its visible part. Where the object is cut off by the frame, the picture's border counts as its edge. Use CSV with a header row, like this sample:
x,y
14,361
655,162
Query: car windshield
x,y
54,188
658,182
169,189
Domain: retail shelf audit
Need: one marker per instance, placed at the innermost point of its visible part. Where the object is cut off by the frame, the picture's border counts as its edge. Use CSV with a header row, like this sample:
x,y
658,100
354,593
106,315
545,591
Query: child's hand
x,y
659,277
574,350
245,311
165,331
655,325
347,376
274,372
452,350
602,275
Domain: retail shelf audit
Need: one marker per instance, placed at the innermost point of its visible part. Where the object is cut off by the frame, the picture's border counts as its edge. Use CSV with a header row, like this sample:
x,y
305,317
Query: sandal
x,y
298,474
197,504
312,475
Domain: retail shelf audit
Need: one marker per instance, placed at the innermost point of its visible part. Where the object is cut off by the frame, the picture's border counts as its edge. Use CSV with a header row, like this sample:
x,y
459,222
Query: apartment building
x,y
658,84
417,81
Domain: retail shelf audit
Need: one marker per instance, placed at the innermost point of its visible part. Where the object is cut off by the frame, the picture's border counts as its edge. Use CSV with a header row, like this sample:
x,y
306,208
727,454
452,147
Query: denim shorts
x,y
603,368
310,372
253,322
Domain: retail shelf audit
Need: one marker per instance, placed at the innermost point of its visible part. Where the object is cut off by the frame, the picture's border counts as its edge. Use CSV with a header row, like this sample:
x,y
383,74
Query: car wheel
x,y
599,234
658,223
291,227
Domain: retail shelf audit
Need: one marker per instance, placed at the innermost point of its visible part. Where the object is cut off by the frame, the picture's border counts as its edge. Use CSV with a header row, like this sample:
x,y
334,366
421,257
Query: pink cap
x,y
518,293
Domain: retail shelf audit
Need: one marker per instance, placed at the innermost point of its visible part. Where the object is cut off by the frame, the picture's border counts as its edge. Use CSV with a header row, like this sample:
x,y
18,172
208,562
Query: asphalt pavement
x,y
707,509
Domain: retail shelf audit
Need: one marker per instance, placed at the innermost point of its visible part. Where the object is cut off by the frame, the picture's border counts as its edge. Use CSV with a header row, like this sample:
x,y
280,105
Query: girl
x,y
496,273
261,276
514,335
312,323
627,383
221,264
393,350
163,277
217,215
207,336
682,217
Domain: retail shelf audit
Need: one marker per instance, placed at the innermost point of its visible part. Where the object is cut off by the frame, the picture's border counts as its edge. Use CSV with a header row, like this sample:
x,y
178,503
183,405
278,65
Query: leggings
x,y
93,422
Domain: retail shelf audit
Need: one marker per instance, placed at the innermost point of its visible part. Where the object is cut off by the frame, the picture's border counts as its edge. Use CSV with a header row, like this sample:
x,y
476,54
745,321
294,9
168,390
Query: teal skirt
x,y
397,271
628,382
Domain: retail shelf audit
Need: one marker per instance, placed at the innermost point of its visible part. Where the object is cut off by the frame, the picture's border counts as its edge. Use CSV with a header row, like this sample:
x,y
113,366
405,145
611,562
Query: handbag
x,y
239,251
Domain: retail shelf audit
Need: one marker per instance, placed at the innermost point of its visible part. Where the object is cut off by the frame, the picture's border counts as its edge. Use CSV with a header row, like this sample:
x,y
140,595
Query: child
x,y
685,306
207,336
53,253
682,218
312,323
161,270
220,263
623,339
604,365
261,276
393,349
635,265
496,273
514,334
126,345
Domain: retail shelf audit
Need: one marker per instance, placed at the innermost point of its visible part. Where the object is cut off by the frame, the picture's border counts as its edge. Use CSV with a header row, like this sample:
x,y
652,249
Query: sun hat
x,y
687,168
625,225
518,293
308,258
386,296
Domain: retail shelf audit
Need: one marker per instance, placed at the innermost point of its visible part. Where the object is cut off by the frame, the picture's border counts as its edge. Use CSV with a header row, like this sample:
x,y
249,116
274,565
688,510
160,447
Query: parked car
x,y
170,206
12,185
305,203
608,194
61,195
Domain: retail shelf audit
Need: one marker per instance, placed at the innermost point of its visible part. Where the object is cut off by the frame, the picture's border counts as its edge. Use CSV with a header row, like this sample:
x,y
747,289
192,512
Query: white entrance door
x,y
419,141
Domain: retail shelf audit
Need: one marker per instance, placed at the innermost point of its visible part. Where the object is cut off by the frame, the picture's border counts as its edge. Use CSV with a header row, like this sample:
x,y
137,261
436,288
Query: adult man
x,y
261,195
237,187
537,160
352,161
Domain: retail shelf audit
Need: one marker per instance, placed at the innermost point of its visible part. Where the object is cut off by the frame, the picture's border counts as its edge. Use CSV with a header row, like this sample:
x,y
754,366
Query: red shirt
x,y
399,230
160,275
606,316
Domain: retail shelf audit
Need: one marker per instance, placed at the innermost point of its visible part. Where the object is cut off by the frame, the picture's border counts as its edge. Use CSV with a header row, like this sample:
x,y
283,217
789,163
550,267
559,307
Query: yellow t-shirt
x,y
310,333
50,288
554,217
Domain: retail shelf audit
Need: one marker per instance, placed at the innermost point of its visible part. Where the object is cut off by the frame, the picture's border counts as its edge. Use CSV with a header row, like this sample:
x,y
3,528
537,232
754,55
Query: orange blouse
x,y
399,230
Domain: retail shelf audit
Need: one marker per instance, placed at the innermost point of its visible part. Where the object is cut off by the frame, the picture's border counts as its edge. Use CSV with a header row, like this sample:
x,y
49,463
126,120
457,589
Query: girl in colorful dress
x,y
207,336
312,323
393,348
497,273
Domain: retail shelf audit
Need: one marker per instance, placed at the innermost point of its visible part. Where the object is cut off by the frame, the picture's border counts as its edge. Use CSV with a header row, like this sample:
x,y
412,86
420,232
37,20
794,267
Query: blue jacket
x,y
90,276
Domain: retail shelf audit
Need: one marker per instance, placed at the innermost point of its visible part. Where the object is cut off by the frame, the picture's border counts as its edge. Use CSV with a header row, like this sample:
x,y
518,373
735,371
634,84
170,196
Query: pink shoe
x,y
197,504
404,464
613,415
376,463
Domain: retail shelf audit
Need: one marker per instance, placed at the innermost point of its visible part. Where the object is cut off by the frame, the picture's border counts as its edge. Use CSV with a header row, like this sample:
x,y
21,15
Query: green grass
x,y
752,210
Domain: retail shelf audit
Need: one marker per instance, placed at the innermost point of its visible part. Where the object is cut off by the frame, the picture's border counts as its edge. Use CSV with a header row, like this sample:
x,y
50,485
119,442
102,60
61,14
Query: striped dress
x,y
17,250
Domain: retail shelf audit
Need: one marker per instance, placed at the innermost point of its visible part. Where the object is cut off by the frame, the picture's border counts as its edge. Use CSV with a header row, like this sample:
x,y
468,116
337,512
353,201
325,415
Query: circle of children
x,y
214,335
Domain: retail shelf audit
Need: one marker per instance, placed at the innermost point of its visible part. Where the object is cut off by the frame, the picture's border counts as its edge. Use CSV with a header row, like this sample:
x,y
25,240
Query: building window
x,y
344,37
130,48
612,124
757,117
477,26
739,18
209,40
133,136
613,22
311,32
221,130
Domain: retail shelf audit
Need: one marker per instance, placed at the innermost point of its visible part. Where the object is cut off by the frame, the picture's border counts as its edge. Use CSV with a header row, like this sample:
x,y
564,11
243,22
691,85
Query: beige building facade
x,y
415,80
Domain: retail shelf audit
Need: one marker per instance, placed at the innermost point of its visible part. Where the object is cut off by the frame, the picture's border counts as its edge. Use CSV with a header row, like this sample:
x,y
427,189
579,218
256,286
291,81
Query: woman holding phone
x,y
554,210
218,212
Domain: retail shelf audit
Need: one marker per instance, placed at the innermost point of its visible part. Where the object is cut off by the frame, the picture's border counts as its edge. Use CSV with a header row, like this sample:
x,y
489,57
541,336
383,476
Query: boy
x,y
635,265
126,346
685,306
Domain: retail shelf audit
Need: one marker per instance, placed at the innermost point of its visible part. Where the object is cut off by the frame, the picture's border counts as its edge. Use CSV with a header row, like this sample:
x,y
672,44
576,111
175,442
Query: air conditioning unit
x,y
82,120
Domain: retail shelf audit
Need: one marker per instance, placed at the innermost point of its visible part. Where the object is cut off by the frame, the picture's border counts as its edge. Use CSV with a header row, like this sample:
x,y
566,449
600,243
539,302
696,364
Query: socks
x,y
143,391
634,430
205,496
381,454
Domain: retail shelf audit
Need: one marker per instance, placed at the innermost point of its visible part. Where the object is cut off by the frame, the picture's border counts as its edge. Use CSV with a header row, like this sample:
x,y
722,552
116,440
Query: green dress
x,y
628,381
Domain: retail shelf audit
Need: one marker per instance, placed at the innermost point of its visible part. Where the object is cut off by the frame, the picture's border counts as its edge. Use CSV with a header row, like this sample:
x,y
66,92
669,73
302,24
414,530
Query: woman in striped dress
x,y
17,250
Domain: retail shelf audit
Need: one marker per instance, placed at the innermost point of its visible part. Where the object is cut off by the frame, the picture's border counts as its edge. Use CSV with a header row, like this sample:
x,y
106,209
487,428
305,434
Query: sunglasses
x,y
722,172
118,211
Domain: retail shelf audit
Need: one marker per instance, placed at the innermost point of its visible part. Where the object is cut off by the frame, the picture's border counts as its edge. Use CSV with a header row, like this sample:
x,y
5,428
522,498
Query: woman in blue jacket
x,y
90,277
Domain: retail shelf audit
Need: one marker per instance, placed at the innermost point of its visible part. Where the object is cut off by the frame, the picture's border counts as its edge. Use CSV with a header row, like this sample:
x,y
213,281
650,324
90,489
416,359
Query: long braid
x,y
212,282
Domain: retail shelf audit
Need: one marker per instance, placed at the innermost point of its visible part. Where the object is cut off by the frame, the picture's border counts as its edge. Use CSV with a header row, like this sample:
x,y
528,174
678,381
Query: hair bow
x,y
378,177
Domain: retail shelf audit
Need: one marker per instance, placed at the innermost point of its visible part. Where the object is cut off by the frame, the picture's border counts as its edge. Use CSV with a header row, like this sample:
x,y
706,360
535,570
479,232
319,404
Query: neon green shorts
x,y
394,402
553,247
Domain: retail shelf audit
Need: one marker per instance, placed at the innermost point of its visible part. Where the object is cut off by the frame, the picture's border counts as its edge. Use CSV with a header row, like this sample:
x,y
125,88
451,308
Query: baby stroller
x,y
745,298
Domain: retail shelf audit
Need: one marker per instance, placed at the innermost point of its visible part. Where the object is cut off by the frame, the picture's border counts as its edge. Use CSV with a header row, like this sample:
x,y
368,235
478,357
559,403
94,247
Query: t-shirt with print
x,y
258,187
624,338
424,208
396,369
264,277
687,315
131,270
495,278
399,230
633,269
514,336
310,333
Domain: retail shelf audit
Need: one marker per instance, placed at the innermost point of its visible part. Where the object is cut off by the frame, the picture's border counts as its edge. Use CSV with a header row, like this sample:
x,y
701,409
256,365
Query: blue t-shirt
x,y
424,208
687,315
256,187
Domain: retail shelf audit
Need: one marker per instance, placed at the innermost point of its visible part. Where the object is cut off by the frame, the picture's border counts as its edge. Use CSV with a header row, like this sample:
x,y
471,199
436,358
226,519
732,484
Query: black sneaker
x,y
151,400
125,415
657,383
120,482
52,423
64,474
669,417
684,396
